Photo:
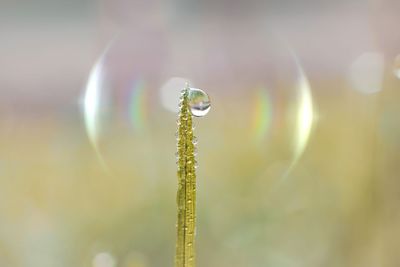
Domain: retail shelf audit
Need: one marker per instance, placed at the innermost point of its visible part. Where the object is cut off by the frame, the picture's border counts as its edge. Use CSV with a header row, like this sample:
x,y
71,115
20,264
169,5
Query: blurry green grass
x,y
336,208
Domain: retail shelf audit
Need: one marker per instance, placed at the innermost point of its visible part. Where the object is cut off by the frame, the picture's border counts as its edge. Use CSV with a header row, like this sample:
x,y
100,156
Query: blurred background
x,y
298,157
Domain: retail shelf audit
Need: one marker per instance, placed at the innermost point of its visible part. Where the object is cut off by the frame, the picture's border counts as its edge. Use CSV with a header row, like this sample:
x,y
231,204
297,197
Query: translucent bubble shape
x,y
263,101
250,146
199,102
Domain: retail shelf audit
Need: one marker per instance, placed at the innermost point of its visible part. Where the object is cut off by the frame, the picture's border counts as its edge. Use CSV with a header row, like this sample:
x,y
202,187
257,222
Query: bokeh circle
x,y
262,114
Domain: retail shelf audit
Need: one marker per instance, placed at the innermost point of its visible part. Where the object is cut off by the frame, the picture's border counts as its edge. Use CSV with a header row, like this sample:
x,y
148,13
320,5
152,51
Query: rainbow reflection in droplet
x,y
199,102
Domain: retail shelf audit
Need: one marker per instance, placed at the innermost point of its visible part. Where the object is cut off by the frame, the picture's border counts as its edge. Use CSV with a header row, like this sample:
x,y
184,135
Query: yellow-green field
x,y
338,206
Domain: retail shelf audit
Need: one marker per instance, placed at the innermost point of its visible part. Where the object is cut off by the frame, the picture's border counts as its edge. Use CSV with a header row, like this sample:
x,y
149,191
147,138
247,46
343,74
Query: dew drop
x,y
195,140
199,102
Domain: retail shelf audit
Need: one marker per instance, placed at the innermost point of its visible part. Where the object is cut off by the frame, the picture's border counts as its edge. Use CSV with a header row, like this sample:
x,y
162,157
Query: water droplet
x,y
396,67
199,102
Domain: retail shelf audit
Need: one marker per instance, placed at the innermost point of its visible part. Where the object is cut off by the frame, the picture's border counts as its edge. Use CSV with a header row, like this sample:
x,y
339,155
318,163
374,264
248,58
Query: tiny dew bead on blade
x,y
194,102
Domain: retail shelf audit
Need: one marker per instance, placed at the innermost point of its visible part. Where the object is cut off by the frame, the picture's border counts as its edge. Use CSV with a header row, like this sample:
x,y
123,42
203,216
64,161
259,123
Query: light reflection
x,y
366,73
305,115
262,114
170,93
105,103
92,102
396,67
103,259
137,106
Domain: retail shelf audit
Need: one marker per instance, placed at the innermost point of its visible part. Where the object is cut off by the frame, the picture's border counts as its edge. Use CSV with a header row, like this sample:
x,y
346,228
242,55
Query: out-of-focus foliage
x,y
60,206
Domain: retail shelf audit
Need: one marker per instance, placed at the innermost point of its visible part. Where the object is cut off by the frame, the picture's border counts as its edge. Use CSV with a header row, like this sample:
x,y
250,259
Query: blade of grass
x,y
186,195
